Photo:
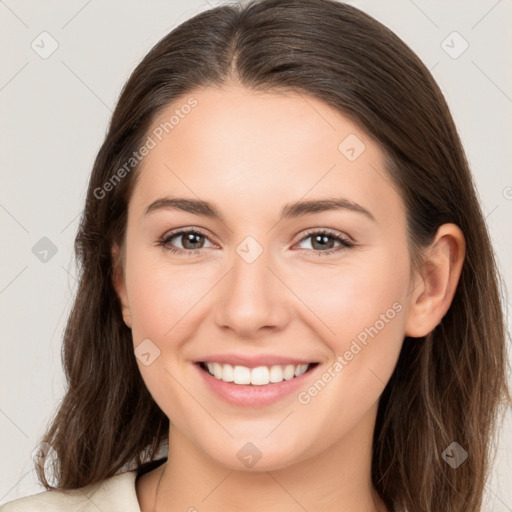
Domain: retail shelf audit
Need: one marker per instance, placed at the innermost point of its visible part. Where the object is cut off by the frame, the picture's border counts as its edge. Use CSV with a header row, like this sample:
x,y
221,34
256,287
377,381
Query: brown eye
x,y
191,241
323,242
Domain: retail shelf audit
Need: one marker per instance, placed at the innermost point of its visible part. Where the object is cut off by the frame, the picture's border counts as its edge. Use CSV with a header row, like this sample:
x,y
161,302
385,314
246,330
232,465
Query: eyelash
x,y
345,243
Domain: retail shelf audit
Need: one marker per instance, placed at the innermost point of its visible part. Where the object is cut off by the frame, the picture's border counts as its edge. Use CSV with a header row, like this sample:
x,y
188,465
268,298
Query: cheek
x,y
160,295
365,312
159,299
364,307
354,296
162,302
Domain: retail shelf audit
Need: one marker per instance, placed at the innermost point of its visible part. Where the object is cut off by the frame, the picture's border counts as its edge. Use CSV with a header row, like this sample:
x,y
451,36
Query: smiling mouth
x,y
259,376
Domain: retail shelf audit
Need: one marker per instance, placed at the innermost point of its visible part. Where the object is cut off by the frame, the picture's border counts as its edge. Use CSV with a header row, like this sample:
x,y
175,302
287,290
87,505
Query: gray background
x,y
55,112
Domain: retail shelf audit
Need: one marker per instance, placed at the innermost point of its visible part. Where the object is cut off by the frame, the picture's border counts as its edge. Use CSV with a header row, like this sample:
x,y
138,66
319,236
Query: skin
x,y
251,153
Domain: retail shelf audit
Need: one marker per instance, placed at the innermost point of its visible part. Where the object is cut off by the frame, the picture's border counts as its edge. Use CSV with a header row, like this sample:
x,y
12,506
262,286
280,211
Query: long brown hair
x,y
447,387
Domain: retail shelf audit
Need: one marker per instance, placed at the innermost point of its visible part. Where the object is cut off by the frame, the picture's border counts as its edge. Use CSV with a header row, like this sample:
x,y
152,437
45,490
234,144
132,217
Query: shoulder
x,y
115,493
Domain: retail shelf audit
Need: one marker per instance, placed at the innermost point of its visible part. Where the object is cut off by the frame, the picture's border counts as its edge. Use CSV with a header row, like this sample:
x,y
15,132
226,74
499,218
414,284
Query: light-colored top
x,y
114,494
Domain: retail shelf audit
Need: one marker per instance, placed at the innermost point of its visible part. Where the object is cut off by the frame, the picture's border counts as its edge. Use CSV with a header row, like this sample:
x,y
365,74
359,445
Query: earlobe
x,y
434,289
118,281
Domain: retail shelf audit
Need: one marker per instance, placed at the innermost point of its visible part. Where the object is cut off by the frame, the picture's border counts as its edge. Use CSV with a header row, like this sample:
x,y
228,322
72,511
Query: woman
x,y
286,278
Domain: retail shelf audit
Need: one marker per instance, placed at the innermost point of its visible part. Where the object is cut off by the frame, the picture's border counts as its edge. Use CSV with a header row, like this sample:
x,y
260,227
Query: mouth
x,y
257,376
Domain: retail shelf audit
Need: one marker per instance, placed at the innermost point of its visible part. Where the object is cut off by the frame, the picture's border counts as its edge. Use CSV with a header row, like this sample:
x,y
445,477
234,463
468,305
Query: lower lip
x,y
254,396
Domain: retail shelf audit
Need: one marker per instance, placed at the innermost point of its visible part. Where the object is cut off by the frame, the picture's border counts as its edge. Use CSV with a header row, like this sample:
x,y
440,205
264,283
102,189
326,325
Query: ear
x,y
119,283
435,287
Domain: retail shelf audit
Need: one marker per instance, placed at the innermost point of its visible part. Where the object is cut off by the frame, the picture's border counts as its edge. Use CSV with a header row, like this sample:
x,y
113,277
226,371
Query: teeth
x,y
241,374
259,376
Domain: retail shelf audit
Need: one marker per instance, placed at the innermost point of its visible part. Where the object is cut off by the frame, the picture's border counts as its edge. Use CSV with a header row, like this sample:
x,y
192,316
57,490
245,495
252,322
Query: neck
x,y
337,479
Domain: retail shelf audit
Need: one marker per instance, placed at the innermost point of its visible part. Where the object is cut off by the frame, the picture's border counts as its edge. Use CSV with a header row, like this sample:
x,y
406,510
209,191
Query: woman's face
x,y
261,286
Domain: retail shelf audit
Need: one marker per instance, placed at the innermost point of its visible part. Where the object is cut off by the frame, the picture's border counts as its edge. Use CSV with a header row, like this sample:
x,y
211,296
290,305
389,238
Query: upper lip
x,y
253,361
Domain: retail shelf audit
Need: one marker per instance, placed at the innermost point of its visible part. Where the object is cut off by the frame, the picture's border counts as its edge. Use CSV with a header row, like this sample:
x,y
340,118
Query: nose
x,y
252,298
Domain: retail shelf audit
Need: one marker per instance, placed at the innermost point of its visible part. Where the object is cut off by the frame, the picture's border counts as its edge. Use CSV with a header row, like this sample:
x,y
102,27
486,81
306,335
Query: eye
x,y
320,240
192,241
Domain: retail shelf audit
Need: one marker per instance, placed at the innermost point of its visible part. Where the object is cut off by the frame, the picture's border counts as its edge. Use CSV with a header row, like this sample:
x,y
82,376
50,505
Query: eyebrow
x,y
289,211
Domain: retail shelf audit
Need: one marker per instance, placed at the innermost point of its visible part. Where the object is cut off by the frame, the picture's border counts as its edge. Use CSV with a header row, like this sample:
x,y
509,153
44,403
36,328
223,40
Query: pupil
x,y
322,240
189,239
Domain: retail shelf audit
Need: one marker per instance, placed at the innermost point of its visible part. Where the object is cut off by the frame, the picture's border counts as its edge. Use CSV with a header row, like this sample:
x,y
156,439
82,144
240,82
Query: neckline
x,y
149,466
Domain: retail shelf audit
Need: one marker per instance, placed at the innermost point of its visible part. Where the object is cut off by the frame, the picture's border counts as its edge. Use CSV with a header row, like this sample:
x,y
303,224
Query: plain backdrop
x,y
55,108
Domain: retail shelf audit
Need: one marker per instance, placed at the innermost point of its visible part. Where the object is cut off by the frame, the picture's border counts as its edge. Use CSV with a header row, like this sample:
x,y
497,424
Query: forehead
x,y
256,149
